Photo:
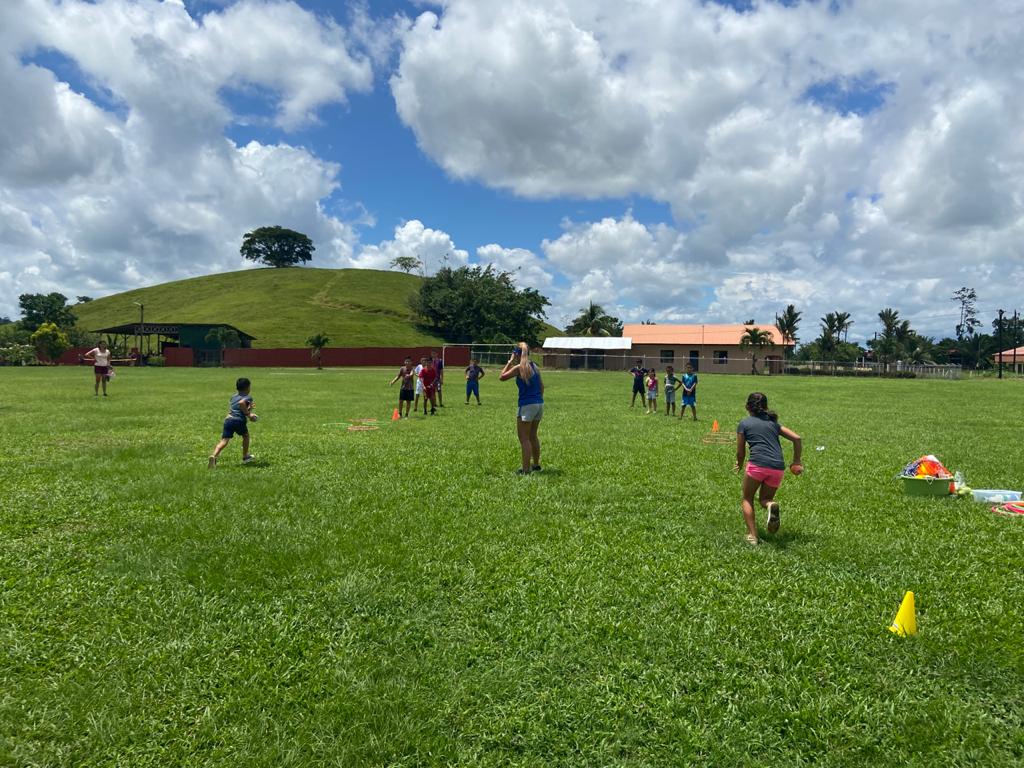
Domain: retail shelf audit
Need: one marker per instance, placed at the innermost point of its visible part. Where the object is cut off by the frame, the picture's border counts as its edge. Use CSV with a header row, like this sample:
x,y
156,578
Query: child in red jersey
x,y
428,378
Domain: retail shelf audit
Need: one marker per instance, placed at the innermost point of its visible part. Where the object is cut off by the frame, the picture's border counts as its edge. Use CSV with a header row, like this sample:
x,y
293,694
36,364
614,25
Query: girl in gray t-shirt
x,y
767,466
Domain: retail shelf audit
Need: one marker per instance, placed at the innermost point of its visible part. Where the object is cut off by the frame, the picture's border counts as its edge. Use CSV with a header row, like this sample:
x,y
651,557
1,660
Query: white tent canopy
x,y
588,342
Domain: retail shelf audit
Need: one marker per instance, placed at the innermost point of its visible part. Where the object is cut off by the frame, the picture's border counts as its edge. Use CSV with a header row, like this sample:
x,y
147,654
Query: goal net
x,y
486,354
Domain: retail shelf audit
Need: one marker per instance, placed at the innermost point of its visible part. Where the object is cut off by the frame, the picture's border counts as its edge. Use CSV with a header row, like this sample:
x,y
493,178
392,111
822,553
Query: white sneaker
x,y
248,459
212,463
774,517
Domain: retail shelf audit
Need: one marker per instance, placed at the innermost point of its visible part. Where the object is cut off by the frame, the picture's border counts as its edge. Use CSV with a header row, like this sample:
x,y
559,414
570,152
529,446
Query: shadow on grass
x,y
786,538
546,472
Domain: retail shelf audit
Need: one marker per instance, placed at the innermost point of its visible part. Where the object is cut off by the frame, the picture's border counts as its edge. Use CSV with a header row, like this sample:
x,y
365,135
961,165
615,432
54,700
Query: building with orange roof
x,y
1012,359
710,348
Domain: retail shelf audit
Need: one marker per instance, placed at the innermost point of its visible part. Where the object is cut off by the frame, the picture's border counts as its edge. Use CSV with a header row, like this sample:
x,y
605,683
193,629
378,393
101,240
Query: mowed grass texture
x,y
399,597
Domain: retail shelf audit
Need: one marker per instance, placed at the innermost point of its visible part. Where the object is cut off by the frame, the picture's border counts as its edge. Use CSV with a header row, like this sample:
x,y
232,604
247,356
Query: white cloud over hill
x,y
136,182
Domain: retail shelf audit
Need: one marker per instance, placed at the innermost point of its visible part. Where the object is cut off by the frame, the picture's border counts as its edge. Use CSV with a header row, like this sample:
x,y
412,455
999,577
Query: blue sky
x,y
675,160
384,170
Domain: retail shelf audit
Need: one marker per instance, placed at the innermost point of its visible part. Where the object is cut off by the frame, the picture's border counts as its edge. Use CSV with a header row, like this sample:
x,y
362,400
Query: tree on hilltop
x,y
406,263
277,247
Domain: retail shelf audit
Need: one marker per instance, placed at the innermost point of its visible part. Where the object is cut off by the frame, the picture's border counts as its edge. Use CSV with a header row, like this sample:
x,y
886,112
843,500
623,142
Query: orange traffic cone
x,y
714,426
395,416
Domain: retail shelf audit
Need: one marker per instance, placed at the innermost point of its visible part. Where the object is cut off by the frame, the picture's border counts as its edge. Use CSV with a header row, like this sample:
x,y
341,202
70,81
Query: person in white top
x,y
100,356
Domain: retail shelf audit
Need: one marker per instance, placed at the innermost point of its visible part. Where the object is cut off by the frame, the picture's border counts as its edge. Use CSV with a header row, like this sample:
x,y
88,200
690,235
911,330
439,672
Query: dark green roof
x,y
166,329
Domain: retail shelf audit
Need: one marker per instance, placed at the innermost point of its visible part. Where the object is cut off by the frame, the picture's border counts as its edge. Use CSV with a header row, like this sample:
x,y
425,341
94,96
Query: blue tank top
x,y
529,391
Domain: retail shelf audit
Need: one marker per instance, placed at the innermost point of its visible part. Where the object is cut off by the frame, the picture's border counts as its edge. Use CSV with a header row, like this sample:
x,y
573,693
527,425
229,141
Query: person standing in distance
x,y
531,405
473,375
405,393
638,372
99,356
439,370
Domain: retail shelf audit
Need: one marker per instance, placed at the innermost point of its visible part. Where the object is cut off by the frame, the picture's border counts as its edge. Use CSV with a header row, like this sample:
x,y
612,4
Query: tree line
x,y
894,340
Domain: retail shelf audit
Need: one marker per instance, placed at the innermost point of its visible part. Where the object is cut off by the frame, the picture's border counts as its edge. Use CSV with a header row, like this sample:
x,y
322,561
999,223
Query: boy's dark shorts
x,y
232,427
638,386
406,395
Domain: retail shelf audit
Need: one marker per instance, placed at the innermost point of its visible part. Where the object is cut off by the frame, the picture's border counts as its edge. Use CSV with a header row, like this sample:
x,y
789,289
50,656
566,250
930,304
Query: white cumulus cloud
x,y
865,154
133,180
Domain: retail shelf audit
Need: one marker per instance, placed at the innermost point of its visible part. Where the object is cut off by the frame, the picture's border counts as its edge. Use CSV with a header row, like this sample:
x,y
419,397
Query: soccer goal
x,y
487,354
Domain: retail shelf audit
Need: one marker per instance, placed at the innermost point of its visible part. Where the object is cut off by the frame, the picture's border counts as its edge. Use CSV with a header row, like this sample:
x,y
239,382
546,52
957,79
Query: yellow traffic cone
x,y
905,622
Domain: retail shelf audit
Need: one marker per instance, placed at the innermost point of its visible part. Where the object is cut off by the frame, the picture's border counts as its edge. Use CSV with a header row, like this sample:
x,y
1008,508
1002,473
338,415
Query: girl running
x,y
767,466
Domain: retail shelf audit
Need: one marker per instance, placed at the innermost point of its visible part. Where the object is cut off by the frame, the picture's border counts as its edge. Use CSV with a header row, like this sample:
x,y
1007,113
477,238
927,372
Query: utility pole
x,y
1001,344
138,334
1015,344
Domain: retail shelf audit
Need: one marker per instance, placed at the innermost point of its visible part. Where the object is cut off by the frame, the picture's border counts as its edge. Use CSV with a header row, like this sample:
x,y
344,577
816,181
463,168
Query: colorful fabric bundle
x,y
1009,508
926,466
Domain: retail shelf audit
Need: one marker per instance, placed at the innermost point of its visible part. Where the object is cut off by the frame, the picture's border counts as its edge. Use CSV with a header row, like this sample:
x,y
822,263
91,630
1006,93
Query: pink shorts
x,y
770,477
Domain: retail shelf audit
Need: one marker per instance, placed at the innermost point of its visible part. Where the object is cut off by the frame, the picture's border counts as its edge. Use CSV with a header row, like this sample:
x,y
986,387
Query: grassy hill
x,y
280,307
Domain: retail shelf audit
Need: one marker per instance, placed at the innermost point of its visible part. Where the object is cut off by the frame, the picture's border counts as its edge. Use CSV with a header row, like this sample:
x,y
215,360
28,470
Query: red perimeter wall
x,y
338,356
71,356
300,358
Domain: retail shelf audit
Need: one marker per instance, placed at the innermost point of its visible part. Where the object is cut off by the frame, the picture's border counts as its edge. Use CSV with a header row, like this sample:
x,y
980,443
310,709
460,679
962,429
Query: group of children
x,y
759,432
426,380
645,381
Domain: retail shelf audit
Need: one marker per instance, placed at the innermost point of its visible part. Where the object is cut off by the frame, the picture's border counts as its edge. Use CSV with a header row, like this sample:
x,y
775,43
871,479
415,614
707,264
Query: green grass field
x,y
399,597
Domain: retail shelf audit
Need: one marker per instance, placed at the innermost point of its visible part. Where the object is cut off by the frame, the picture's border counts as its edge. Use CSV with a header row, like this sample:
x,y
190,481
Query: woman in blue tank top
x,y
531,404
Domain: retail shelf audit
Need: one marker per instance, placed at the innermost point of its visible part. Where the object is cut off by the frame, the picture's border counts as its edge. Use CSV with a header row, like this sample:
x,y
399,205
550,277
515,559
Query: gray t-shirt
x,y
235,409
762,436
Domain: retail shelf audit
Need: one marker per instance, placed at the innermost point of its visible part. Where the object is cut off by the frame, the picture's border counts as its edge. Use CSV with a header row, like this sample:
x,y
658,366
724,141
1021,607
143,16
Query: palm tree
x,y
594,321
755,340
224,338
830,330
888,345
317,342
843,323
787,324
918,349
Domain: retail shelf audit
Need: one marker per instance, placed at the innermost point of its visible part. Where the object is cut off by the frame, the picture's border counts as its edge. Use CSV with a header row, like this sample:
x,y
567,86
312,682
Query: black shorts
x,y
234,426
405,395
638,387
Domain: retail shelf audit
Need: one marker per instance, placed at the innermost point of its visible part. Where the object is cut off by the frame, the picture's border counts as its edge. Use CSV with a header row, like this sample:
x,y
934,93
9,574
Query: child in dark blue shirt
x,y
240,412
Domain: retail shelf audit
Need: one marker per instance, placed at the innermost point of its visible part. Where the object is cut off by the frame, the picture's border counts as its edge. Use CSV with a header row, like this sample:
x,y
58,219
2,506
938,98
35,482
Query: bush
x,y
18,354
158,361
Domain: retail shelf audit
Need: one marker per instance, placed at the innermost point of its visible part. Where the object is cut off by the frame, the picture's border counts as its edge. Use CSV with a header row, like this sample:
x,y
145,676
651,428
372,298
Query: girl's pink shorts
x,y
770,477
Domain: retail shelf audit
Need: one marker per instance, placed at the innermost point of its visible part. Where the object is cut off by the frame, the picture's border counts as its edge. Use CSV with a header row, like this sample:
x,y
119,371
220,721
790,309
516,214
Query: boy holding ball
x,y
240,412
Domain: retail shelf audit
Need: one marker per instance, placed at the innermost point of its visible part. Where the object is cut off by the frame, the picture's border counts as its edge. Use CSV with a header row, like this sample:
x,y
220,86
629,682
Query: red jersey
x,y
429,378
